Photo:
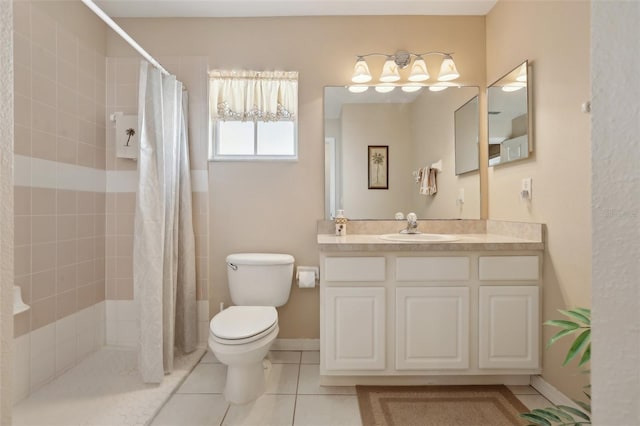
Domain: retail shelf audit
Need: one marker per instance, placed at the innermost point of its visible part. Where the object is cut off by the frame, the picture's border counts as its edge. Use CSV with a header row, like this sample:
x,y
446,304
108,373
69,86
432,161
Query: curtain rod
x,y
111,23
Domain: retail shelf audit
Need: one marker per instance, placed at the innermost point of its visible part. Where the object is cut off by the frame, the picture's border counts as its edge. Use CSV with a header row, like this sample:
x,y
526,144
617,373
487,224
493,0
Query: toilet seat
x,y
238,325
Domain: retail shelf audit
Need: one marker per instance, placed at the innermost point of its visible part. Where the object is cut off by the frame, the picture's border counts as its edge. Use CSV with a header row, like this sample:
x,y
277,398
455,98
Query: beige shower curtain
x,y
164,245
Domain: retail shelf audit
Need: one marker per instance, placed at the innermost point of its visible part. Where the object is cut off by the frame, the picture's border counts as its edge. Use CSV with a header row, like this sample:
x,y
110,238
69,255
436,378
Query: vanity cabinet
x,y
403,317
509,324
356,318
432,328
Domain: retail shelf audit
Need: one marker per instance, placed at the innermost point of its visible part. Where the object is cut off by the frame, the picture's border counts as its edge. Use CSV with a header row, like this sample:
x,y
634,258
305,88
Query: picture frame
x,y
378,166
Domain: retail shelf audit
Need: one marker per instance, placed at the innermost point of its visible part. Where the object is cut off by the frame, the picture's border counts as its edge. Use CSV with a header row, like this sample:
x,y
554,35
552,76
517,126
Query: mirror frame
x,y
529,104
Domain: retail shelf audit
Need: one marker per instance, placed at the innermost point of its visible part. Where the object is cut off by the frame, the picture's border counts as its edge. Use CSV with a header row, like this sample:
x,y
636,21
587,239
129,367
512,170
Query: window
x,y
253,115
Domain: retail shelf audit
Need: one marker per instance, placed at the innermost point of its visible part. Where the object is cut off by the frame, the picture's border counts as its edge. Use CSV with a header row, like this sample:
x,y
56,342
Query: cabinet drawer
x,y
354,269
432,268
506,268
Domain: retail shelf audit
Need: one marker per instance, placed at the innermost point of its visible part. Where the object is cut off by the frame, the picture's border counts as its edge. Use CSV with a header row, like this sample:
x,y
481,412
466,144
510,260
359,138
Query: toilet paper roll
x,y
306,279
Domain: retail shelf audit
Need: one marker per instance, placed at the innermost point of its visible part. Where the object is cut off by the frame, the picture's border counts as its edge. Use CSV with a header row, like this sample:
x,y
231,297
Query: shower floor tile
x,y
104,389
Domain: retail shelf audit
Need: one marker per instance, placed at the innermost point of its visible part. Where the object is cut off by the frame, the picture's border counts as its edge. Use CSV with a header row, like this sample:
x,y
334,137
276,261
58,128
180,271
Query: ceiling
x,y
252,8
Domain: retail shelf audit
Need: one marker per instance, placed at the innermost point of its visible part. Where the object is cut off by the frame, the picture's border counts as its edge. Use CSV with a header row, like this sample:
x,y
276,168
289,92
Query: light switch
x,y
525,191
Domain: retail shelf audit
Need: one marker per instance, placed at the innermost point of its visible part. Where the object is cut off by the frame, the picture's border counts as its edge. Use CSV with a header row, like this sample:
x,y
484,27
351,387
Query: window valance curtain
x,y
253,95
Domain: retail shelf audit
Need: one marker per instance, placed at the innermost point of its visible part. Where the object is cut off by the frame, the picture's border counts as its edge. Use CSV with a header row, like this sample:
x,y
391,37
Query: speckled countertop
x,y
466,242
498,236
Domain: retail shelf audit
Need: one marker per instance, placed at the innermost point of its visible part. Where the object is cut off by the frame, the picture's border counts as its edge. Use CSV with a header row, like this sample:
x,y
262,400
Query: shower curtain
x,y
164,245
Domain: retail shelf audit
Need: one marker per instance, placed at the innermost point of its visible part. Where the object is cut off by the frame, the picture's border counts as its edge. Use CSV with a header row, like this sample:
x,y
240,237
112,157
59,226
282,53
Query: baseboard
x,y
551,393
296,345
422,380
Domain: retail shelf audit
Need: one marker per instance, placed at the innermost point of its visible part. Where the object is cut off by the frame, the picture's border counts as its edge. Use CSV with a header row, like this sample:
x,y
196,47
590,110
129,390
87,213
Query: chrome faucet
x,y
412,224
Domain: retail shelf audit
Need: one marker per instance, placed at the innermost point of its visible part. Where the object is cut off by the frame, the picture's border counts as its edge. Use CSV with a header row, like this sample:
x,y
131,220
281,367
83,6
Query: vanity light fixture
x,y
398,61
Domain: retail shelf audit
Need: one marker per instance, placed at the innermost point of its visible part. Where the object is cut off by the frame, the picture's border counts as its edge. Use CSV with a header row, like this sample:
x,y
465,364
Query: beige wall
x,y
554,36
616,214
274,206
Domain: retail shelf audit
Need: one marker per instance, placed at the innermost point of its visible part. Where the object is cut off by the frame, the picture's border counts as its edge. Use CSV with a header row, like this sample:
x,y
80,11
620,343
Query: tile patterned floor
x,y
293,397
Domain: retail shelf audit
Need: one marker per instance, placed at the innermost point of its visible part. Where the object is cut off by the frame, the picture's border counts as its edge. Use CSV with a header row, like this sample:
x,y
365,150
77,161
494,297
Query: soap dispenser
x,y
341,224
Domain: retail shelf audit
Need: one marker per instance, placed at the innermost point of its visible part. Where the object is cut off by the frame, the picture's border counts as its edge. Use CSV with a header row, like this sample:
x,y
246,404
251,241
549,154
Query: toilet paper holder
x,y
314,269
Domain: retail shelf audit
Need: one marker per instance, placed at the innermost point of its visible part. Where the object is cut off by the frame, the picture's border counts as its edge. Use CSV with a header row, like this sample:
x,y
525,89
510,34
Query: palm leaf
x,y
586,356
584,405
545,413
574,411
581,341
584,311
558,412
567,325
576,315
541,421
559,335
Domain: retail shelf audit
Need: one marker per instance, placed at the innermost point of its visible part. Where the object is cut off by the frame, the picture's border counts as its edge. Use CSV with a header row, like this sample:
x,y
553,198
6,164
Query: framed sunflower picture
x,y
378,166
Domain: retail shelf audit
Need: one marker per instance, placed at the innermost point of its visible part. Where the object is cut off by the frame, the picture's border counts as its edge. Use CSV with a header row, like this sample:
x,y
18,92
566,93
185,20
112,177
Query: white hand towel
x,y
432,185
424,177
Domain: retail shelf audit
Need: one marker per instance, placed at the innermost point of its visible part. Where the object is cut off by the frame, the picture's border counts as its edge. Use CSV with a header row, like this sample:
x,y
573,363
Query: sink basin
x,y
419,238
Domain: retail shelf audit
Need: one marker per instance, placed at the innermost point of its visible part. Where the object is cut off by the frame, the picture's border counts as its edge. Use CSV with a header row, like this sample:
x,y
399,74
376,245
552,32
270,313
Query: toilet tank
x,y
259,279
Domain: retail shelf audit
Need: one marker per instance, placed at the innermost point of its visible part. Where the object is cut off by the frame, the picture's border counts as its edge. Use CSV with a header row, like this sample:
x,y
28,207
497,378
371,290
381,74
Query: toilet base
x,y
245,383
245,380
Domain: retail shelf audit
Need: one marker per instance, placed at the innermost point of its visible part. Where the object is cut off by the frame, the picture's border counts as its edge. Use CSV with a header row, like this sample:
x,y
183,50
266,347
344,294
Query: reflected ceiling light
x,y
358,88
522,74
512,87
361,72
385,88
439,87
401,60
411,87
448,70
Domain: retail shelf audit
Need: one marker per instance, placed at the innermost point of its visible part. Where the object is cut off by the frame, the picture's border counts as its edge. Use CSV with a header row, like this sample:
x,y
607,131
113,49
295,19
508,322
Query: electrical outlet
x,y
460,198
525,190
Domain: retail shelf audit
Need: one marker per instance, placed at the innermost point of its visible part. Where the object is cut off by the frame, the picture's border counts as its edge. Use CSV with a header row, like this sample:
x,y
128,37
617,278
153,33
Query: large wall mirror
x,y
509,117
418,130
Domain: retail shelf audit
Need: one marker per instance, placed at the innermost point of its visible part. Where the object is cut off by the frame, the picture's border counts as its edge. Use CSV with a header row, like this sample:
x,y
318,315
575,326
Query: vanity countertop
x,y
465,242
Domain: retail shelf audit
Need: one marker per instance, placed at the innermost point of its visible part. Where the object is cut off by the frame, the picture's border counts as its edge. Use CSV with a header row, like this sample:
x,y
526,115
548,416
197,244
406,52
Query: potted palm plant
x,y
578,325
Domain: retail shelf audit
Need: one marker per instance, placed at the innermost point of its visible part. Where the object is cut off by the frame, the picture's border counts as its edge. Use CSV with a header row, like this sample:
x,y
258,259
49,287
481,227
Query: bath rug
x,y
492,405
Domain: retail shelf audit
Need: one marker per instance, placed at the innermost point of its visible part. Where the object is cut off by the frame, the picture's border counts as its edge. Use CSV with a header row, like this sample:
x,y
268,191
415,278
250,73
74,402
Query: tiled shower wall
x,y
122,181
60,92
74,200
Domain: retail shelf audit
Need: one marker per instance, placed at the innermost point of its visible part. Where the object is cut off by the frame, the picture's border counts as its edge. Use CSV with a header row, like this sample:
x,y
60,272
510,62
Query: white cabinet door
x,y
432,328
509,327
355,328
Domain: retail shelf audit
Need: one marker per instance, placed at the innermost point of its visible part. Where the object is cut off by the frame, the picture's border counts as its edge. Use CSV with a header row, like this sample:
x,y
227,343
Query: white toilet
x,y
240,336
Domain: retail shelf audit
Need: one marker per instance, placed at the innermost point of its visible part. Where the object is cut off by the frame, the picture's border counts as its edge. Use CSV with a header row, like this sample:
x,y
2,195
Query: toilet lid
x,y
240,322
